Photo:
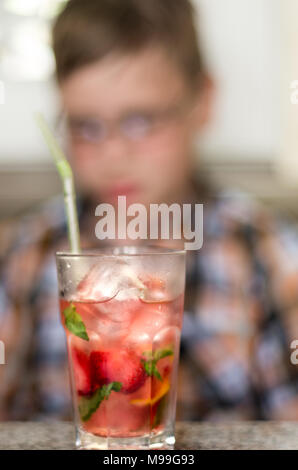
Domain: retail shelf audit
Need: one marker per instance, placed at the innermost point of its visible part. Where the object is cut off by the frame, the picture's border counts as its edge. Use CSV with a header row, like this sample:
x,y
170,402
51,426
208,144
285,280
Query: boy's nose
x,y
115,151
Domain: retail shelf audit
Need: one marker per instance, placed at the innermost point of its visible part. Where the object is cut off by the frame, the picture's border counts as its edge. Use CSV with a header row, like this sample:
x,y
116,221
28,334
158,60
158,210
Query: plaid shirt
x,y
241,315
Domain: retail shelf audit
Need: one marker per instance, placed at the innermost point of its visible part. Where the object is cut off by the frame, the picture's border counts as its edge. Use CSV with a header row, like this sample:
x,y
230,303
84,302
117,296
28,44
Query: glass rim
x,y
107,252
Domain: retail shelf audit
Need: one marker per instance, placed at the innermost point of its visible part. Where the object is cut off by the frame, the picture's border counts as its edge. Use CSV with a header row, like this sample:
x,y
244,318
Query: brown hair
x,y
88,30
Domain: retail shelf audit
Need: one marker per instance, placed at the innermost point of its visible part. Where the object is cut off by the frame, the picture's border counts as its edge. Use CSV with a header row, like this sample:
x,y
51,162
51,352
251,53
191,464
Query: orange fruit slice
x,y
163,390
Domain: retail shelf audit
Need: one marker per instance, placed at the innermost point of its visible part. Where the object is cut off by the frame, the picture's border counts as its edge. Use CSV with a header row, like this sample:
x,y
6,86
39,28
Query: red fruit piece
x,y
81,367
98,367
117,366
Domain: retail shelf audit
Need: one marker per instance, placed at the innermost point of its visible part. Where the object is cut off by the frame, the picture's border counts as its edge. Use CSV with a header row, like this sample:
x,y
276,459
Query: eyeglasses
x,y
134,126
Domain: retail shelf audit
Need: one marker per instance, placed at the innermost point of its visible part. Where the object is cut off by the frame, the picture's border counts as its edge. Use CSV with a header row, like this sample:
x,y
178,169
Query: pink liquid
x,y
125,337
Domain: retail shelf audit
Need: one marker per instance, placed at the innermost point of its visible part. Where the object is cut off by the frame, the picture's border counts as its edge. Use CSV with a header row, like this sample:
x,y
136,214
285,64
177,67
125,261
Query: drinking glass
x,y
122,313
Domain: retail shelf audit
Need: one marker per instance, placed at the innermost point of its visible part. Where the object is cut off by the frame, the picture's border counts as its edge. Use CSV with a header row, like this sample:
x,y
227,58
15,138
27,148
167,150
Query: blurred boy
x,y
135,95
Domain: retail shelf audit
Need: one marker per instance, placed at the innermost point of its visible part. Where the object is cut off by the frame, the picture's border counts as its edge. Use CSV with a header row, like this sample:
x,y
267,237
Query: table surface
x,y
193,436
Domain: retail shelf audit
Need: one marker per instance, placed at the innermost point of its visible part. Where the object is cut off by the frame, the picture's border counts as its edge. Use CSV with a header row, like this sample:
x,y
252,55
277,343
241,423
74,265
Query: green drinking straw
x,y
66,175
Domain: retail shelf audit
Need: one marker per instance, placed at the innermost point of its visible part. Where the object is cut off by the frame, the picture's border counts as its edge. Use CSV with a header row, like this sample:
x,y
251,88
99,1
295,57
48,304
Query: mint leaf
x,y
150,362
74,322
88,406
161,353
160,411
147,366
151,369
116,386
156,373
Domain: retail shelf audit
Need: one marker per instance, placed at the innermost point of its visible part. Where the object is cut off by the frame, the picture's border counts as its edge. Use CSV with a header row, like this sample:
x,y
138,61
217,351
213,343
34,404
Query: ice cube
x,y
120,312
109,331
109,320
150,320
110,278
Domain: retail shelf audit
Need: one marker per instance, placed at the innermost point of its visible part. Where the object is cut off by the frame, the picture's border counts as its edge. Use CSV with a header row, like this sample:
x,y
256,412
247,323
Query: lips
x,y
122,190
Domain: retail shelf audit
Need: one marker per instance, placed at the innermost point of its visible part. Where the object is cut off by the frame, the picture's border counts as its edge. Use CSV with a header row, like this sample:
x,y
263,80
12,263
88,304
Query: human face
x,y
151,118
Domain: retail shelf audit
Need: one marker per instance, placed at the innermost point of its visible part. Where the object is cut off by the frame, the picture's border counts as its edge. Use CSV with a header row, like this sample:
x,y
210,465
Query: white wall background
x,y
243,44
287,164
25,63
243,47
20,140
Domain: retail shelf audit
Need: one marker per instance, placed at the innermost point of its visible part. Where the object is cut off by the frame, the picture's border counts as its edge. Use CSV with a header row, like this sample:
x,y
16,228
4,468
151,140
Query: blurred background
x,y
252,143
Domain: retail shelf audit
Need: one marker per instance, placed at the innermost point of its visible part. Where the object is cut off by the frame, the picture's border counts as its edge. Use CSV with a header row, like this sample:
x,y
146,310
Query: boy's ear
x,y
203,110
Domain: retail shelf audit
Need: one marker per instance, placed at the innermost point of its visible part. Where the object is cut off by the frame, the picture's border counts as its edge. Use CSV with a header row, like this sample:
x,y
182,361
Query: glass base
x,y
163,440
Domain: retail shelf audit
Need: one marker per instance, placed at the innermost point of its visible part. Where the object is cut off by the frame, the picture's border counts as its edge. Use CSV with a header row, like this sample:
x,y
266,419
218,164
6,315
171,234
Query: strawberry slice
x,y
81,367
117,366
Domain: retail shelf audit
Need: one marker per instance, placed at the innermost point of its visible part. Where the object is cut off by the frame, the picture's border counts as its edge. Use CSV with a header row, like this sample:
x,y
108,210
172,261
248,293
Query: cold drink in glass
x,y
122,314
